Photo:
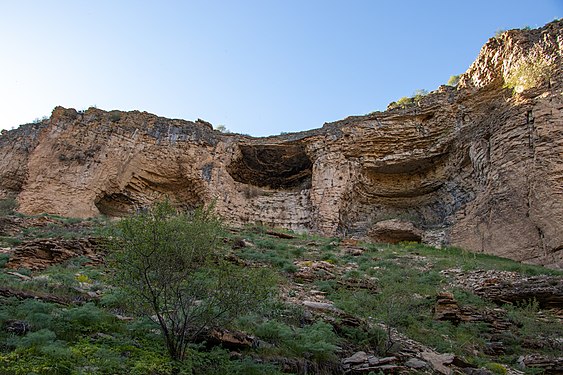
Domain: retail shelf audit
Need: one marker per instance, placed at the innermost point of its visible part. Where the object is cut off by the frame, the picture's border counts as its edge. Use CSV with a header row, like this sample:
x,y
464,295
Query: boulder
x,y
394,231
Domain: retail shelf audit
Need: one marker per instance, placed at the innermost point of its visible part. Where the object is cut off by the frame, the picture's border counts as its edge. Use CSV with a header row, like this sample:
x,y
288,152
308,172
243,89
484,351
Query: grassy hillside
x,y
335,298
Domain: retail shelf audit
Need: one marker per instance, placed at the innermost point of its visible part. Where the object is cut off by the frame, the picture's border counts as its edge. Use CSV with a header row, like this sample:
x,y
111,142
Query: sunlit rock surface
x,y
474,166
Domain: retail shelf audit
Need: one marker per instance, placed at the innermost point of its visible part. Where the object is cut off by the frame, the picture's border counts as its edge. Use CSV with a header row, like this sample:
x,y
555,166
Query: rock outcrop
x,y
476,165
42,253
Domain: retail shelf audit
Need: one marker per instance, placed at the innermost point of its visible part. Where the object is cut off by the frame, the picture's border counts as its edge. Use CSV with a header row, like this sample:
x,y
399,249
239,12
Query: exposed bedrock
x,y
476,166
277,166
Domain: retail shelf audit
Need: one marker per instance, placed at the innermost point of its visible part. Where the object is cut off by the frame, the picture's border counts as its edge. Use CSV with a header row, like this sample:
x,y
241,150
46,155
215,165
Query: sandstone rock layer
x,y
476,166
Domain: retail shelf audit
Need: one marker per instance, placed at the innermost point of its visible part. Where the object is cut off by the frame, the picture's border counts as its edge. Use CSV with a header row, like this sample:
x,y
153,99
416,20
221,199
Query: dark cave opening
x,y
284,167
115,205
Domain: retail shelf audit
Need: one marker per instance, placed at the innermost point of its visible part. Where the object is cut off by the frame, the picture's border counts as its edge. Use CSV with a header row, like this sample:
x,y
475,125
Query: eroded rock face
x,y
394,231
474,166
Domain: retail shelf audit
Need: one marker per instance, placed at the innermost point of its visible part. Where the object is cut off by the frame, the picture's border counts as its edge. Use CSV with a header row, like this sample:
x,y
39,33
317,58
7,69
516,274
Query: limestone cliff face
x,y
475,166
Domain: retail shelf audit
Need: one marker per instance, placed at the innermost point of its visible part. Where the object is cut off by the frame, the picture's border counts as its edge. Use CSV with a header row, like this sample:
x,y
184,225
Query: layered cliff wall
x,y
479,165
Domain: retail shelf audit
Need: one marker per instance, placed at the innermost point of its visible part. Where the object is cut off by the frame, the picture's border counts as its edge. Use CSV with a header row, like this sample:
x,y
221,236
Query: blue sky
x,y
256,67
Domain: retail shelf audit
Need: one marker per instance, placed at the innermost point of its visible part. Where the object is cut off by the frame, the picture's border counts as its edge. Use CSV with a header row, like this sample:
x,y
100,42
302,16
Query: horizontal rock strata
x,y
476,166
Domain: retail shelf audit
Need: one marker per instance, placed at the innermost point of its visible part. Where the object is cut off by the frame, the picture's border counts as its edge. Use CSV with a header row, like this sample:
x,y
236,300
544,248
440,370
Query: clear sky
x,y
257,67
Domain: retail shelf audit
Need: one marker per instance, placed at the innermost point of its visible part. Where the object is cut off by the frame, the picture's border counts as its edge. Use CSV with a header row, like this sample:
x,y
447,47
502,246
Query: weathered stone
x,y
321,306
439,362
446,308
42,253
230,339
549,365
416,363
477,371
356,358
364,363
510,287
394,231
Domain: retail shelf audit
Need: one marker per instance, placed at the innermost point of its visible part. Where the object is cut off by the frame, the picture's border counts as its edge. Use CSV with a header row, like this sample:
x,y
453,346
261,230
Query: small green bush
x,y
317,341
531,71
406,101
367,338
453,81
115,116
274,332
8,206
217,362
4,258
496,368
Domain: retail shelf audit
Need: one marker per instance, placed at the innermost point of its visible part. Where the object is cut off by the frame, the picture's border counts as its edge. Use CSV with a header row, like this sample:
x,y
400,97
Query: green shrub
x,y
218,362
406,101
367,338
330,257
88,318
297,251
496,368
114,298
316,342
289,267
453,81
274,332
165,261
34,340
4,258
8,206
530,71
31,362
115,116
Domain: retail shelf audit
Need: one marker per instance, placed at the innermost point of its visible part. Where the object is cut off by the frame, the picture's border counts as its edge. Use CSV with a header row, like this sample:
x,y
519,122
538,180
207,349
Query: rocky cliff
x,y
479,165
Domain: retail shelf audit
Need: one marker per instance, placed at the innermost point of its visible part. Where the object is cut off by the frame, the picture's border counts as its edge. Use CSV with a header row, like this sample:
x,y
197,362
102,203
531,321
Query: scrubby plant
x,y
317,341
4,258
115,116
407,101
170,266
453,81
530,71
222,129
496,368
8,206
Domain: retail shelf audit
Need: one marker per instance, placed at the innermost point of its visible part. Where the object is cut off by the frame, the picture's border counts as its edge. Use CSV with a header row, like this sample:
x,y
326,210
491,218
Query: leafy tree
x,y
172,271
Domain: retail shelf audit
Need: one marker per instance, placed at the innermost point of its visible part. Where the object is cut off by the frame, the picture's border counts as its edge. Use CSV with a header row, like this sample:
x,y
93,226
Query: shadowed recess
x,y
274,166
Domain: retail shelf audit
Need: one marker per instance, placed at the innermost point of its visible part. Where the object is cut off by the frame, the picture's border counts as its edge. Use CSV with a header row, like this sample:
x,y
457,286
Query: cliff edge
x,y
477,166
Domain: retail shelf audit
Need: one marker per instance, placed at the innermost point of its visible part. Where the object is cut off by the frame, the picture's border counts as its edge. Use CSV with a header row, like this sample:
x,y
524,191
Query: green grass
x,y
86,337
